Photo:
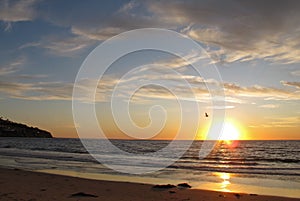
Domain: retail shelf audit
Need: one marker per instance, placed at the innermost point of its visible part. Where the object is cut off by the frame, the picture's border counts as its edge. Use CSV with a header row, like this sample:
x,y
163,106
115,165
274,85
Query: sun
x,y
229,132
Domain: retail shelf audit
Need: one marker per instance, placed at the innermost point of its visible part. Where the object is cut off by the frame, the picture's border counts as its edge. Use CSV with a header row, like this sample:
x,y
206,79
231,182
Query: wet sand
x,y
25,185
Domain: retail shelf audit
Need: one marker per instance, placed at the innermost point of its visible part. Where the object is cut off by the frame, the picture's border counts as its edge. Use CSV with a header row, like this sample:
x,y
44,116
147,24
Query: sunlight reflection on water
x,y
225,183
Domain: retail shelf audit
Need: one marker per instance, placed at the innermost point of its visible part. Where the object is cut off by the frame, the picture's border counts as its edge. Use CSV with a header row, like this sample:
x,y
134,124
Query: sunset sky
x,y
254,44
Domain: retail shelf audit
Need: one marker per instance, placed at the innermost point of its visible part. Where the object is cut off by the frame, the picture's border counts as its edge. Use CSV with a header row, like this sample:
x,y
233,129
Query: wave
x,y
240,170
250,157
245,160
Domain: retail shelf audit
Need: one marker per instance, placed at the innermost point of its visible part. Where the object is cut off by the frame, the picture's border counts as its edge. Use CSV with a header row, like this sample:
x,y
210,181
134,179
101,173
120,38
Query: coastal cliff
x,y
13,129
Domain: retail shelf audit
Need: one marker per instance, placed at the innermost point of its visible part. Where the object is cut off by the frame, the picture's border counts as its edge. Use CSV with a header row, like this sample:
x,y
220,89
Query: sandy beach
x,y
17,184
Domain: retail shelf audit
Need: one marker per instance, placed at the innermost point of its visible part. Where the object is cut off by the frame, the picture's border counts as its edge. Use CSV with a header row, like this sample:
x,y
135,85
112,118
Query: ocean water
x,y
264,167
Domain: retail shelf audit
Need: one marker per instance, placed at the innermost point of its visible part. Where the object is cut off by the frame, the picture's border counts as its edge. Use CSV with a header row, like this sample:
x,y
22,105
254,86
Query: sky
x,y
255,45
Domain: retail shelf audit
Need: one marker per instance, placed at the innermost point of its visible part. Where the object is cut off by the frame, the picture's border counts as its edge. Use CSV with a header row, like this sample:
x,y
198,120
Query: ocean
x,y
262,167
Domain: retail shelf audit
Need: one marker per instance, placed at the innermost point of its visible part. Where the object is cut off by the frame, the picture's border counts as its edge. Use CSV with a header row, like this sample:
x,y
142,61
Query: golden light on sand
x,y
225,177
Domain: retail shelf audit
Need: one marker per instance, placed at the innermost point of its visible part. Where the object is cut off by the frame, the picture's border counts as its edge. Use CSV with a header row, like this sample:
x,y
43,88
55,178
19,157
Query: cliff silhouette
x,y
13,129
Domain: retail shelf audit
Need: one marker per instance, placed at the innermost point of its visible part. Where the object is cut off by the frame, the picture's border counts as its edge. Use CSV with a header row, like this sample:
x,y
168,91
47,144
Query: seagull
x,y
206,115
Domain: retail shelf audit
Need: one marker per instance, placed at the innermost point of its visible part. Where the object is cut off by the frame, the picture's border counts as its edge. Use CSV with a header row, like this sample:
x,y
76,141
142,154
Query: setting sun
x,y
229,132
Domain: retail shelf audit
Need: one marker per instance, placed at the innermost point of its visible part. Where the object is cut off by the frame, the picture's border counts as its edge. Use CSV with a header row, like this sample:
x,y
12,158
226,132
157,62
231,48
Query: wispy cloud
x,y
230,48
296,73
66,46
189,59
282,122
235,94
185,86
27,45
13,66
241,31
56,90
28,76
256,91
37,91
197,89
10,71
103,25
291,84
233,31
269,106
97,33
221,107
15,11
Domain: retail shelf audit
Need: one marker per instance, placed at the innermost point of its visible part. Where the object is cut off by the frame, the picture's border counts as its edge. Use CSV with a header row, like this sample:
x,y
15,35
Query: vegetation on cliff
x,y
13,129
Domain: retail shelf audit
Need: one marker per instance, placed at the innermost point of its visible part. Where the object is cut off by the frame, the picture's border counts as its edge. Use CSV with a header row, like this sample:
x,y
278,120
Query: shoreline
x,y
28,185
222,182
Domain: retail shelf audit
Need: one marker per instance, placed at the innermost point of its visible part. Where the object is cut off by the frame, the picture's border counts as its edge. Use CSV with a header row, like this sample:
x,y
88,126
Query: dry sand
x,y
25,185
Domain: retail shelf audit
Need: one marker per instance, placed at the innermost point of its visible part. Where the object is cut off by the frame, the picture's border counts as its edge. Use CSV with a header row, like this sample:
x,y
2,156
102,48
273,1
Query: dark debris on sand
x,y
184,185
164,186
237,195
82,194
169,186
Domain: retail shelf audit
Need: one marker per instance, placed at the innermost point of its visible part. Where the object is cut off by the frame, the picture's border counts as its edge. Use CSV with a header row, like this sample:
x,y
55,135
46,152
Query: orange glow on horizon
x,y
231,131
